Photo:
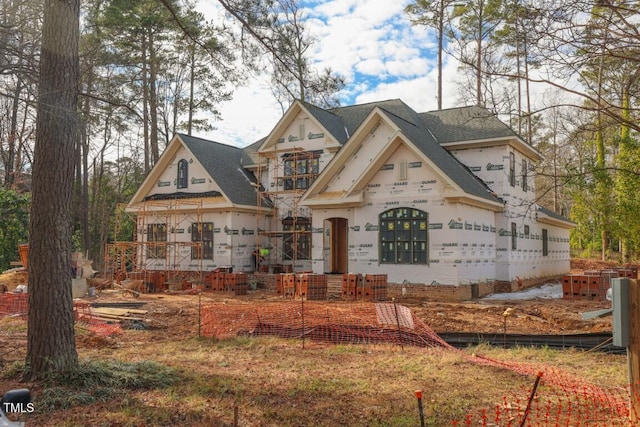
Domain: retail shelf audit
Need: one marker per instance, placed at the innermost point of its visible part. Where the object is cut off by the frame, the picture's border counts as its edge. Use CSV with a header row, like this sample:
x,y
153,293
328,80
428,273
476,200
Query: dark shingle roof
x,y
331,122
354,115
553,214
465,124
223,163
444,160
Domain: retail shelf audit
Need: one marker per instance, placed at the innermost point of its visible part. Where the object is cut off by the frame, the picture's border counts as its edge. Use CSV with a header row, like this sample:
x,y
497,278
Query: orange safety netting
x,y
18,305
347,323
560,400
14,304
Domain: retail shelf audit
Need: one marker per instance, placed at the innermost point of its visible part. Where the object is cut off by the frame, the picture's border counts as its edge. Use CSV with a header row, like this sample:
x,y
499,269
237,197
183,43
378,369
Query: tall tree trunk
x,y
479,98
440,49
153,100
51,336
145,107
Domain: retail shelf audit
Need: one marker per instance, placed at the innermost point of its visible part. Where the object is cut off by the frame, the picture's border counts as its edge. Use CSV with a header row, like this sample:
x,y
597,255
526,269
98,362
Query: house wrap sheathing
x,y
444,197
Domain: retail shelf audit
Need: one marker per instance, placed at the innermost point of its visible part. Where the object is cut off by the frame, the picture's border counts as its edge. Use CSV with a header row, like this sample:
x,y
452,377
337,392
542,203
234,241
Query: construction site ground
x,y
175,316
171,322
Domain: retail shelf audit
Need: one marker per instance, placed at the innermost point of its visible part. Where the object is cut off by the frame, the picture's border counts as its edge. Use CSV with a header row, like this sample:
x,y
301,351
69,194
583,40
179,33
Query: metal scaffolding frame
x,y
125,259
285,201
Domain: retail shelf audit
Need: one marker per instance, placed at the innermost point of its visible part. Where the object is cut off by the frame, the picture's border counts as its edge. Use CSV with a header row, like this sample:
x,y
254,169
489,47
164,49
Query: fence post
x,y
302,310
634,351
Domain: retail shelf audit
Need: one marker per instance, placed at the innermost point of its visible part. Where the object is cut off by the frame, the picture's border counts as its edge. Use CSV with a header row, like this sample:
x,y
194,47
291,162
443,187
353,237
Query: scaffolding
x,y
157,225
289,173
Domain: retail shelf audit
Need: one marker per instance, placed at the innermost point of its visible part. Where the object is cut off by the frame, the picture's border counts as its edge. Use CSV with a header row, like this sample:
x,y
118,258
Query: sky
x,y
369,42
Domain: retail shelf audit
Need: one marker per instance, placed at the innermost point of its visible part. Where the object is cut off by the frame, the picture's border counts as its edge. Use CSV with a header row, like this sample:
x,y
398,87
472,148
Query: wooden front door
x,y
338,246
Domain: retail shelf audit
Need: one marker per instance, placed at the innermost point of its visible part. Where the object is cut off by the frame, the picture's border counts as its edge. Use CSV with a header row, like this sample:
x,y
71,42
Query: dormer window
x,y
183,174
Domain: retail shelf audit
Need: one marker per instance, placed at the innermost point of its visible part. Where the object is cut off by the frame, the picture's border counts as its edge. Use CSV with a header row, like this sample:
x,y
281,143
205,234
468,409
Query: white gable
x,y
301,133
198,179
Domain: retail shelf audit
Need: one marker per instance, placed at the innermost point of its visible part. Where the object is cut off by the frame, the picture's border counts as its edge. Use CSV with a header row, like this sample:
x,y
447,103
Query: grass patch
x,y
97,381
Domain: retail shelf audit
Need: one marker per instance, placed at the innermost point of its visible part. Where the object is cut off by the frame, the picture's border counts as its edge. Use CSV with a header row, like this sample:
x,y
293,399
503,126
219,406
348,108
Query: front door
x,y
335,245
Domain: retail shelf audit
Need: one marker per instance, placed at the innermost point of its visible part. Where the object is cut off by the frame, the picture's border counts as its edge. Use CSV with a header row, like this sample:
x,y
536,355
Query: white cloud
x,y
370,42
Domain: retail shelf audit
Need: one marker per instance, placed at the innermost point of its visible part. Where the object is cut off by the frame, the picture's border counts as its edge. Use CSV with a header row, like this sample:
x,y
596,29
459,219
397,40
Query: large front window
x,y
296,238
404,236
156,241
300,169
202,233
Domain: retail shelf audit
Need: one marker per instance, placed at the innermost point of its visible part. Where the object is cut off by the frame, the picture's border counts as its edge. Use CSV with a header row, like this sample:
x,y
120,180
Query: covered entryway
x,y
336,254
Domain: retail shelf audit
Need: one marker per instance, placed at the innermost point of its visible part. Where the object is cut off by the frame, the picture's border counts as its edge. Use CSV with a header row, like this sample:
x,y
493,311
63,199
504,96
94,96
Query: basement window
x,y
404,236
156,241
202,233
514,236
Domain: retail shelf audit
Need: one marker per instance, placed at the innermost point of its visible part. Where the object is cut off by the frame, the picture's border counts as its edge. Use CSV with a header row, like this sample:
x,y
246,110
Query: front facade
x,y
445,197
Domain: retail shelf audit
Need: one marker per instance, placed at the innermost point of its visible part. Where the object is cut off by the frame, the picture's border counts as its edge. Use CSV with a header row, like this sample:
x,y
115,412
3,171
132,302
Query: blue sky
x,y
371,43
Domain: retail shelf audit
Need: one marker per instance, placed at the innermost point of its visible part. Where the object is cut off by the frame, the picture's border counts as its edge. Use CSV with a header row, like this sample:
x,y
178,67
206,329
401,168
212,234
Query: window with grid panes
x,y
300,170
296,245
202,232
404,236
156,233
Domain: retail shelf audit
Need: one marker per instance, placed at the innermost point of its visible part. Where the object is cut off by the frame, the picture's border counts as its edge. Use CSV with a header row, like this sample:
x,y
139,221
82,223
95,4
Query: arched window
x,y
404,236
183,174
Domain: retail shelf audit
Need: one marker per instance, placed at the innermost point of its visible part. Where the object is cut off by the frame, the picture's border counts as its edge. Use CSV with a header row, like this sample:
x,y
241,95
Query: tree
x,y
277,27
434,14
293,76
14,224
477,20
51,336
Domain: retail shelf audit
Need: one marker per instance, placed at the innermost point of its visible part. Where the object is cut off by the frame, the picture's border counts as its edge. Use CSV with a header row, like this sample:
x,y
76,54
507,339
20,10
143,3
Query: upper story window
x,y
512,169
404,236
183,174
525,169
300,170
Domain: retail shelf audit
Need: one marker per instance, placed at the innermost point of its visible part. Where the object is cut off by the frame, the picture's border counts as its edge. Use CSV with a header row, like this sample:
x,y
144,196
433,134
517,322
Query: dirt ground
x,y
173,318
176,315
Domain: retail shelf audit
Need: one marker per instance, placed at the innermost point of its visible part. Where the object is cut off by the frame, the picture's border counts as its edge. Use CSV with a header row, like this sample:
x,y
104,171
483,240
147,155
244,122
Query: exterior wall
x,y
461,238
234,239
301,134
526,260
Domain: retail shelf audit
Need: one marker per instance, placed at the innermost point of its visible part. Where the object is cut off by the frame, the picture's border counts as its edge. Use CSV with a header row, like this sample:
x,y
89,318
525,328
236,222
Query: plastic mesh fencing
x,y
14,304
560,400
349,323
18,305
